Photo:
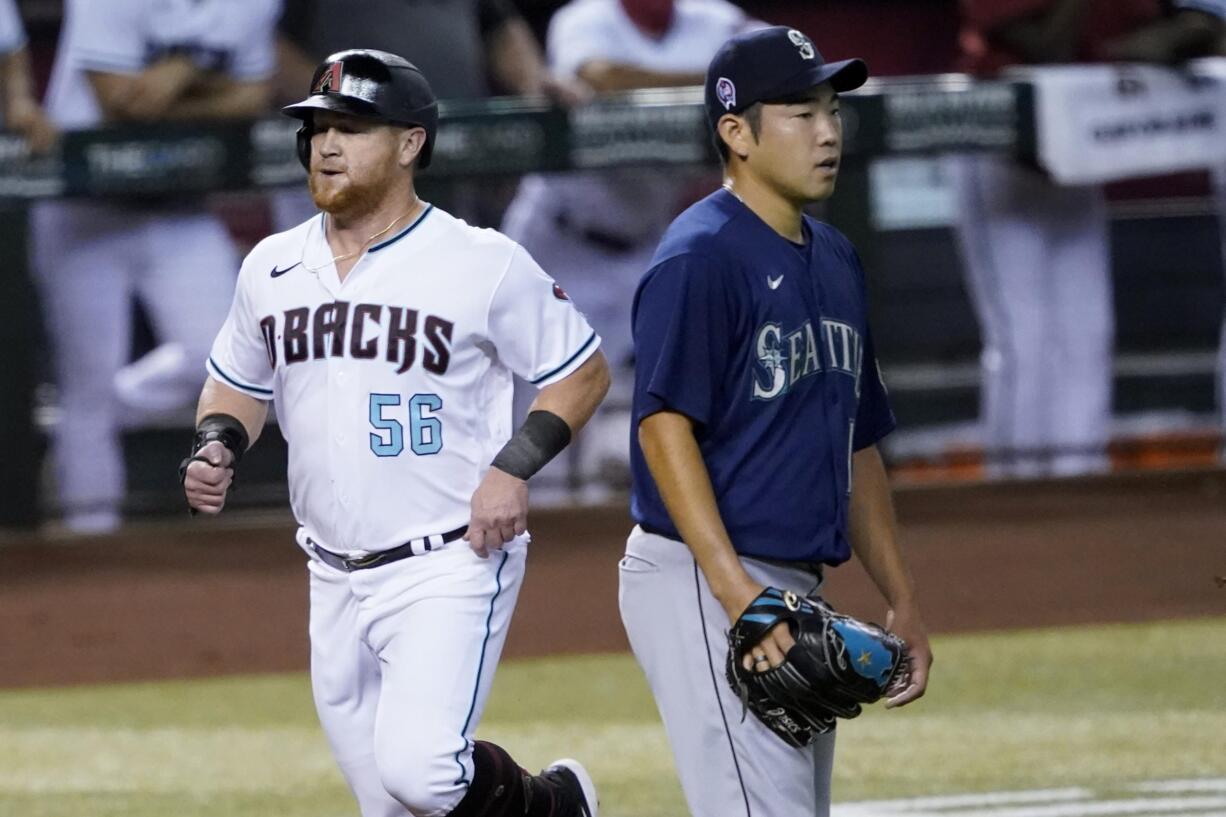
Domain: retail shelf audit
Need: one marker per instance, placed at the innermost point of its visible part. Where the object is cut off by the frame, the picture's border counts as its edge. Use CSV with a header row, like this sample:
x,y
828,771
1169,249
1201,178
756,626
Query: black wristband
x,y
225,429
542,436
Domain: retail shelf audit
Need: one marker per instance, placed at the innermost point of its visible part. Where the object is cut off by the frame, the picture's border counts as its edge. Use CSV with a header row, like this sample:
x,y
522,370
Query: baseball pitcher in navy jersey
x,y
758,404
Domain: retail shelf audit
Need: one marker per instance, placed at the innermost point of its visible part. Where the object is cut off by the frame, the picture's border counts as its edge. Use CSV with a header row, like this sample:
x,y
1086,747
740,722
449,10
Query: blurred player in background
x,y
597,231
20,114
1220,186
469,49
138,61
1037,255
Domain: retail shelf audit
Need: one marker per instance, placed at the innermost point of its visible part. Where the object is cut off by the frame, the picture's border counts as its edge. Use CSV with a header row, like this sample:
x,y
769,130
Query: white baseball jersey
x,y
393,388
233,37
12,34
631,205
586,30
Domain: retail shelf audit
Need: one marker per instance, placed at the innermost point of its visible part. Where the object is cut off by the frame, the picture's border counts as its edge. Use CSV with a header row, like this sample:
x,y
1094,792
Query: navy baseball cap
x,y
768,64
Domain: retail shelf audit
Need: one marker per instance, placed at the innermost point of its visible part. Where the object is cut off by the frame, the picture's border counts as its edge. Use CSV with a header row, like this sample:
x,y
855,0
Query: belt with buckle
x,y
413,547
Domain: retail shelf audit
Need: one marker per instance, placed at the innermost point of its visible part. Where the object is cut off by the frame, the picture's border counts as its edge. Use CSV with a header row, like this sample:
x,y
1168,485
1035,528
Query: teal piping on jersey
x,y
403,232
569,360
236,384
480,664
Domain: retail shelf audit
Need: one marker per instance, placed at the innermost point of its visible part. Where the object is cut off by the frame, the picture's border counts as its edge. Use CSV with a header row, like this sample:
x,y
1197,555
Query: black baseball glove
x,y
837,664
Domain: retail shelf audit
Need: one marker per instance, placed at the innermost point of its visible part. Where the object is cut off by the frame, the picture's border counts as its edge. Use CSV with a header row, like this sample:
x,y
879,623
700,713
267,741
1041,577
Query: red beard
x,y
653,17
345,200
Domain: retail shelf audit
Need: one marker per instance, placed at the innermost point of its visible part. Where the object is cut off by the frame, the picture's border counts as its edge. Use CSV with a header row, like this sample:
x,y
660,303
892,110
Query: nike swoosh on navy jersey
x,y
277,273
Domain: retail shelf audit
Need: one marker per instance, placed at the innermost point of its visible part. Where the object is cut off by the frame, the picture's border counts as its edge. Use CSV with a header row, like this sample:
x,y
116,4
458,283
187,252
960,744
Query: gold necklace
x,y
345,256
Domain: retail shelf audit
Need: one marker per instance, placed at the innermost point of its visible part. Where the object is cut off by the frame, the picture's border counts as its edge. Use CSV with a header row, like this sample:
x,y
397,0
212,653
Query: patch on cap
x,y
725,91
803,43
329,80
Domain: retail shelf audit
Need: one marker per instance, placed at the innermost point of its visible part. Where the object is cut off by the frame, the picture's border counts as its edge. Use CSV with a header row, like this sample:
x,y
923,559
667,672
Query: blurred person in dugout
x,y
1220,185
19,114
468,48
1036,255
18,105
138,61
597,231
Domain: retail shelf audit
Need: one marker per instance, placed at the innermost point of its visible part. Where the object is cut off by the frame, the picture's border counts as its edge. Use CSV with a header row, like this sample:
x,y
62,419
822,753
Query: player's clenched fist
x,y
208,477
499,512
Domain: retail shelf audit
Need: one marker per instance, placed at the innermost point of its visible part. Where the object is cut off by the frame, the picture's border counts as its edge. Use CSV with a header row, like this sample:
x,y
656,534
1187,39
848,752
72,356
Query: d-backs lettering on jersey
x,y
393,388
360,331
765,345
231,37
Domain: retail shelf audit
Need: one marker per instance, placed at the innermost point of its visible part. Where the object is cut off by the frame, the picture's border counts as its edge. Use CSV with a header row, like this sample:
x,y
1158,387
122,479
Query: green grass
x,y
1094,707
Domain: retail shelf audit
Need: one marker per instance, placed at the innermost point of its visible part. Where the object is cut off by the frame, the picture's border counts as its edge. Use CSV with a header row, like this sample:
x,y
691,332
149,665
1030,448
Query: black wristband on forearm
x,y
227,430
542,436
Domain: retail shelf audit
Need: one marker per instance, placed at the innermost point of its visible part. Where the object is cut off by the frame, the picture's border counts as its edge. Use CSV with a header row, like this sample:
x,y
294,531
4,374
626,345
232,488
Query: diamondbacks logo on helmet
x,y
803,43
330,80
725,91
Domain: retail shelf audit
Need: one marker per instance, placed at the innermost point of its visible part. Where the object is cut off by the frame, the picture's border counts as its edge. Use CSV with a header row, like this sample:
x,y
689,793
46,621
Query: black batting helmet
x,y
370,83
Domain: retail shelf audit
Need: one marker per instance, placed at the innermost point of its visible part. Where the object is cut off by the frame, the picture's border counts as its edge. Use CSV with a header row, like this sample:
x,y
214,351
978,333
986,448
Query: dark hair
x,y
752,115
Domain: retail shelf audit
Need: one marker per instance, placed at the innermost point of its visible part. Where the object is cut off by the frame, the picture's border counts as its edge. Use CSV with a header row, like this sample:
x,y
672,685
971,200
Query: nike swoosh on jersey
x,y
774,283
277,273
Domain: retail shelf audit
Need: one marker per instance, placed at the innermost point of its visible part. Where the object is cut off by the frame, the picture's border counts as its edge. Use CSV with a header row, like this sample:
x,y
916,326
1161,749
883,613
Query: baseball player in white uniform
x,y
17,102
1037,255
1220,188
12,33
138,61
386,332
602,228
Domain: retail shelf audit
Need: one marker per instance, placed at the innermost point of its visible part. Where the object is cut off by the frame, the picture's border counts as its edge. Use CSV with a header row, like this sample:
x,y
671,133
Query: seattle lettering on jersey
x,y
783,360
340,329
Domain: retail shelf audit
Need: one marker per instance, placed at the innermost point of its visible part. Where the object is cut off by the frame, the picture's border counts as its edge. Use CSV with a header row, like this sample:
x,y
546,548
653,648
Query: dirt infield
x,y
215,597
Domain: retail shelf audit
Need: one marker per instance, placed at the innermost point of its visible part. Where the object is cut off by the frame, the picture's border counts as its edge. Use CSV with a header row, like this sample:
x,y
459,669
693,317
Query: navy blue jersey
x,y
765,345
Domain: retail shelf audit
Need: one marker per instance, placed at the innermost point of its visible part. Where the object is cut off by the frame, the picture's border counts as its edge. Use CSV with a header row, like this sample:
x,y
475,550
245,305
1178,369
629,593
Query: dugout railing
x,y
933,335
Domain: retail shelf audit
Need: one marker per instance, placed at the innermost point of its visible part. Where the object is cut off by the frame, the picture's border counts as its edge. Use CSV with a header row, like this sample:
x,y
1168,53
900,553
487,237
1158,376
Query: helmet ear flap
x,y
304,144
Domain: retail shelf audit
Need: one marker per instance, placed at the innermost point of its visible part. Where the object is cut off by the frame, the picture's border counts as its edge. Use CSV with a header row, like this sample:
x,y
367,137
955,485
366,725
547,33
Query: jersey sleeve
x,y
240,358
255,57
874,417
105,37
682,334
576,37
537,331
12,34
1214,7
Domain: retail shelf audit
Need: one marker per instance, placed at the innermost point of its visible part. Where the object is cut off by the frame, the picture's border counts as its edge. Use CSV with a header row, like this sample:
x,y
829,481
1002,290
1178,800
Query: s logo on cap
x,y
803,43
726,92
